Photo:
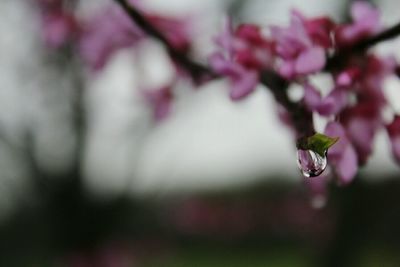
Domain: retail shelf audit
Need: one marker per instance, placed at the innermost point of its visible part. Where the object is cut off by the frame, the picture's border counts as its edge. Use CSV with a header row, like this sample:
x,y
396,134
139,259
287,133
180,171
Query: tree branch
x,y
196,70
299,115
385,35
301,118
340,58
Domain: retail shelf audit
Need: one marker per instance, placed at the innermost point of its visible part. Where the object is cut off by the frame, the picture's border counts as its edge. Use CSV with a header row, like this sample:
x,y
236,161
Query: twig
x,y
196,70
340,58
276,84
385,35
300,116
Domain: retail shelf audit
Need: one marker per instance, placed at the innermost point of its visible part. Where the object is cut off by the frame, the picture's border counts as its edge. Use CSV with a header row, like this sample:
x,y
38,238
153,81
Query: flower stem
x,y
340,58
301,118
196,70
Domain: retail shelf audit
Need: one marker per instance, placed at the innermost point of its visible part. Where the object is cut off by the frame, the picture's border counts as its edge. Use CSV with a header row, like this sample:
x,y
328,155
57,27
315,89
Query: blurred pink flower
x,y
366,22
361,131
245,52
319,30
363,119
347,77
252,50
104,33
342,156
111,29
243,81
302,45
333,103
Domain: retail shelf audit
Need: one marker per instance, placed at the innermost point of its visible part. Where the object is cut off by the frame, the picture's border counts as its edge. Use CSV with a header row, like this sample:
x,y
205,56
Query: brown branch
x,y
301,118
339,59
196,70
385,35
299,115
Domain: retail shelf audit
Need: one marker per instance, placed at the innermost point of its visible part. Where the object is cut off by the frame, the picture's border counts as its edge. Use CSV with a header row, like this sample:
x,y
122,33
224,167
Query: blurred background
x,y
88,179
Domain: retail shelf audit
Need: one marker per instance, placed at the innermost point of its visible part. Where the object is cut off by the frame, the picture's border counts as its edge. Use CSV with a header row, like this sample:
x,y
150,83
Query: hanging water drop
x,y
311,163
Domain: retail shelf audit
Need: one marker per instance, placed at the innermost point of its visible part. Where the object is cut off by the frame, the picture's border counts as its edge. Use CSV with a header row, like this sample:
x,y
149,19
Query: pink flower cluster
x,y
98,36
353,106
295,52
244,53
111,29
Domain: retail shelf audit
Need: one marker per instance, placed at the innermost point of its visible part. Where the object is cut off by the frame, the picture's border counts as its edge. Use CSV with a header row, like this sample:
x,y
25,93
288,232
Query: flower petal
x,y
311,60
333,103
346,167
244,85
312,97
335,129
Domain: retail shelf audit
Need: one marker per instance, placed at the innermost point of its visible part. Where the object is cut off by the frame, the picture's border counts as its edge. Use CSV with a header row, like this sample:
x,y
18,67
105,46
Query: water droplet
x,y
311,163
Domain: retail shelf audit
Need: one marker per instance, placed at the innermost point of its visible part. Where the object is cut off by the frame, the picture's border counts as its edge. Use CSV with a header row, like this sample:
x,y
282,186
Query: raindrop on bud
x,y
311,163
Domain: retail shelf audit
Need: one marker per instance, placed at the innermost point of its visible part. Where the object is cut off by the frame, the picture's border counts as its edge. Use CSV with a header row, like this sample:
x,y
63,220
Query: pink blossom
x,y
364,119
252,50
366,22
362,122
104,33
245,53
244,84
342,156
302,45
310,61
376,70
319,29
348,77
332,104
393,130
243,81
111,29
